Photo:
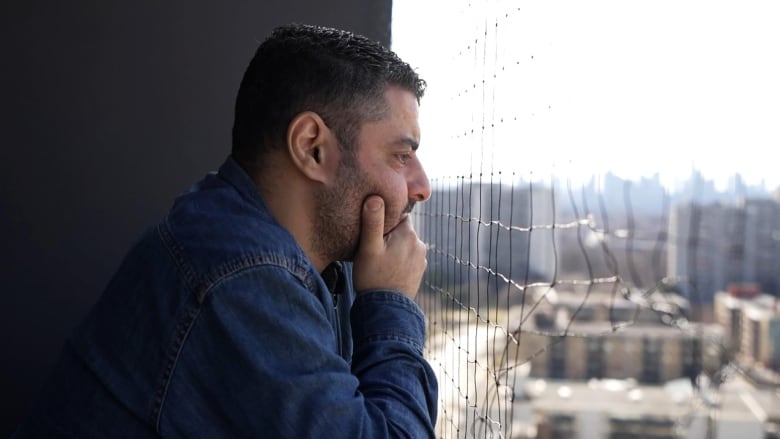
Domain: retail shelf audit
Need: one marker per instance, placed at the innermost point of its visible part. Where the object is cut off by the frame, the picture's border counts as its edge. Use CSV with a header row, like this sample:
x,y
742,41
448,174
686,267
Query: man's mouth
x,y
403,217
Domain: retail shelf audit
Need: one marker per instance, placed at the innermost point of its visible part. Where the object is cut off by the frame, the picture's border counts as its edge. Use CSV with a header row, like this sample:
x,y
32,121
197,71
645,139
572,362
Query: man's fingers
x,y
373,223
394,262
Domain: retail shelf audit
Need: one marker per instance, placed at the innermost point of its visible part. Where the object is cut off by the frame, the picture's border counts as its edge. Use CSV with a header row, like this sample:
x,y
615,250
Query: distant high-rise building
x,y
489,234
649,354
711,246
582,341
513,236
761,336
752,322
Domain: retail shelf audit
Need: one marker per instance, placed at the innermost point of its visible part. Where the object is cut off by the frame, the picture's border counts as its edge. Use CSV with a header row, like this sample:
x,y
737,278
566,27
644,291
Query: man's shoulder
x,y
214,227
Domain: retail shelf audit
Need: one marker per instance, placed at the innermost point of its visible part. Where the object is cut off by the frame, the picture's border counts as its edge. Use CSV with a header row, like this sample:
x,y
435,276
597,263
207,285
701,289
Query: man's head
x,y
385,164
335,74
329,118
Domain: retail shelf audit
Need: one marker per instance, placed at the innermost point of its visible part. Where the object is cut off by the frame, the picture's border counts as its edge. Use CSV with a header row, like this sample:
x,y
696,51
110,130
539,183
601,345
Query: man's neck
x,y
291,204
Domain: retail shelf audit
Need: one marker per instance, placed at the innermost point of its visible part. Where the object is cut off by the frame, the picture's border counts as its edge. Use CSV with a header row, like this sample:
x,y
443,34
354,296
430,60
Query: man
x,y
237,316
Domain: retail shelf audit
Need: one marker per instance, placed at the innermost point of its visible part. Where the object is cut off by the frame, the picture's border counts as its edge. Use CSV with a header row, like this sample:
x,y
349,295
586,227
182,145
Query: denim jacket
x,y
216,324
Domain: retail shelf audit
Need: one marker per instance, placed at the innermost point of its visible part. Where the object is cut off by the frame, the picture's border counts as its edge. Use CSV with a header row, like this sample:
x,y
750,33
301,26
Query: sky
x,y
585,87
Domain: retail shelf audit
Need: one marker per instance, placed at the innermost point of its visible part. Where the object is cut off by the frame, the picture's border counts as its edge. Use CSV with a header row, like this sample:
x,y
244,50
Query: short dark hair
x,y
339,75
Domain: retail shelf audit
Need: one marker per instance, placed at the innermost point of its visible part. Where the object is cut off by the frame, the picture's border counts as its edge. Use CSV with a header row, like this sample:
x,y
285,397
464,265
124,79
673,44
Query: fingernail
x,y
373,204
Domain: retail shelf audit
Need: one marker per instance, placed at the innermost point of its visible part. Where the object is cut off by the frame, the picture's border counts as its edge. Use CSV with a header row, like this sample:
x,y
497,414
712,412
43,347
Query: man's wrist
x,y
384,314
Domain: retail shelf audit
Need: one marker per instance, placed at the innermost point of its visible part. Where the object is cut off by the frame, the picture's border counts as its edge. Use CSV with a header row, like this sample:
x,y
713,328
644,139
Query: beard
x,y
337,225
339,210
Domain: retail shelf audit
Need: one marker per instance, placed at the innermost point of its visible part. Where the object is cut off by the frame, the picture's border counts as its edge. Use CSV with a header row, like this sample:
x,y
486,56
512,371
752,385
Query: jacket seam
x,y
177,254
201,287
199,290
231,268
183,329
410,340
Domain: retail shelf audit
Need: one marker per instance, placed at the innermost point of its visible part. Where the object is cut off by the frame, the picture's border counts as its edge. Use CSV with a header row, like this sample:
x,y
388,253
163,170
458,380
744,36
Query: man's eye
x,y
404,157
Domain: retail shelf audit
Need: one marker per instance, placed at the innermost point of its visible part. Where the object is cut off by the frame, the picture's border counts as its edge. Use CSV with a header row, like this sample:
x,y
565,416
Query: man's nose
x,y
419,185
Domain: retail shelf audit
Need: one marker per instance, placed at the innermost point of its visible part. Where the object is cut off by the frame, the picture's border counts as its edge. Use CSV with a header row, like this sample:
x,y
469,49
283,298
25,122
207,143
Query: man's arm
x,y
385,321
385,325
261,360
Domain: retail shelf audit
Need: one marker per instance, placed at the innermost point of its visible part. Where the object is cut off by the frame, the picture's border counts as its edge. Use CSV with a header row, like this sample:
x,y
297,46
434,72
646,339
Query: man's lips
x,y
403,218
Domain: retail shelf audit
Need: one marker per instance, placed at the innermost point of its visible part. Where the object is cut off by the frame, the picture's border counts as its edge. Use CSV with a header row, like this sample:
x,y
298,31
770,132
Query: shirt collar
x,y
234,174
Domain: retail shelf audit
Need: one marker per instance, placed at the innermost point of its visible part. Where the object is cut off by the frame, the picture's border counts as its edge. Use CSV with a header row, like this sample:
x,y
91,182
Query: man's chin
x,y
348,255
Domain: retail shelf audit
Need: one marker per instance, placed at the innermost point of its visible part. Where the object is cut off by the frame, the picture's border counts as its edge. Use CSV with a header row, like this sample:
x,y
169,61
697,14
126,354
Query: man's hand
x,y
396,261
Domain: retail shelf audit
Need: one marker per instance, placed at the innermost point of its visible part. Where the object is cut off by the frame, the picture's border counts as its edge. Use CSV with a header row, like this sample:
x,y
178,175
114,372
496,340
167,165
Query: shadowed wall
x,y
110,109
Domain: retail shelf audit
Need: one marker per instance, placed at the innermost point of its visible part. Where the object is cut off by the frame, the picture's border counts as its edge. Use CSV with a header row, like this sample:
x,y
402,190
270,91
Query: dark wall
x,y
109,109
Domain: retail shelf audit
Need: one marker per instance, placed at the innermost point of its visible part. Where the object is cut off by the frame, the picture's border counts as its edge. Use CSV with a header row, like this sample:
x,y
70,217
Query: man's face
x,y
384,163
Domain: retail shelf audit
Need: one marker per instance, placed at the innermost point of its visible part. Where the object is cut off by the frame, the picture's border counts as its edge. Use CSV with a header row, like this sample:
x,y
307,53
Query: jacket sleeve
x,y
261,360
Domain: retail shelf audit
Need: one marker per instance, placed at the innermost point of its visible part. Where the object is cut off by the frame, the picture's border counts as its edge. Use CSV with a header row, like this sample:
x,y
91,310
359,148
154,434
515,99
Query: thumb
x,y
373,224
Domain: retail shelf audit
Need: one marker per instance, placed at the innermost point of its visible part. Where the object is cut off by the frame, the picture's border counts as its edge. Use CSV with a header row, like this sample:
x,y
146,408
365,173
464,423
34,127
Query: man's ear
x,y
313,147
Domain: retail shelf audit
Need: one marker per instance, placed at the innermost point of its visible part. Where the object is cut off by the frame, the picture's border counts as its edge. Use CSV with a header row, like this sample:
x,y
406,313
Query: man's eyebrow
x,y
409,141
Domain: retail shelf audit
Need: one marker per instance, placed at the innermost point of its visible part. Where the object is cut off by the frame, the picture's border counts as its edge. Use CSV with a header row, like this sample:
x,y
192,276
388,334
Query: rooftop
x,y
626,399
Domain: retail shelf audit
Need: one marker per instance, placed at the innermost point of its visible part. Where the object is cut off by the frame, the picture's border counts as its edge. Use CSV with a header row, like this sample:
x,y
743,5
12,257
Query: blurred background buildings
x,y
656,316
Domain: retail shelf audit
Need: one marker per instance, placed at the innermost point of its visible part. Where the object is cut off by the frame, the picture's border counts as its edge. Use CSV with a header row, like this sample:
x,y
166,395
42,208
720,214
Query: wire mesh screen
x,y
563,300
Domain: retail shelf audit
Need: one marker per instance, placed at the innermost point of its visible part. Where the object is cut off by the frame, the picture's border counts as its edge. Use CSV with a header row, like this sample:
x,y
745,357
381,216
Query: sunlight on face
x,y
385,164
